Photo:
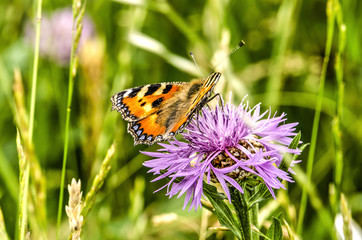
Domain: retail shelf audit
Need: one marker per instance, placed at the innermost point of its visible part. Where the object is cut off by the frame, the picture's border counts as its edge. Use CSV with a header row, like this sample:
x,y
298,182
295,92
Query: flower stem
x,y
241,208
254,211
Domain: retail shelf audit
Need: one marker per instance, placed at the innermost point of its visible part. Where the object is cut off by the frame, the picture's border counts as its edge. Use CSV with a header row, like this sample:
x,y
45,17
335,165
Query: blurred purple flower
x,y
56,35
225,145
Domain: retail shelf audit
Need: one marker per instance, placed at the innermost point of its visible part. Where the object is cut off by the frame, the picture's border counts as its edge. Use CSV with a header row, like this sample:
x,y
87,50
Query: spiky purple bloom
x,y
225,145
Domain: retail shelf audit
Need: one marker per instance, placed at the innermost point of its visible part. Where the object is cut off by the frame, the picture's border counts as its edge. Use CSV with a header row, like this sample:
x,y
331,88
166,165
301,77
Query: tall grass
x,y
297,58
78,13
313,143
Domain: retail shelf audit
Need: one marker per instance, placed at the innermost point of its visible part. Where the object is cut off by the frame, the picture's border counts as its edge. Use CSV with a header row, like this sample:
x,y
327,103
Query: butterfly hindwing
x,y
146,130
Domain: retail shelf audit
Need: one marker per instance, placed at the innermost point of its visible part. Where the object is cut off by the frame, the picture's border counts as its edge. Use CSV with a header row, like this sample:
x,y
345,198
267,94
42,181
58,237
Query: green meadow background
x,y
301,57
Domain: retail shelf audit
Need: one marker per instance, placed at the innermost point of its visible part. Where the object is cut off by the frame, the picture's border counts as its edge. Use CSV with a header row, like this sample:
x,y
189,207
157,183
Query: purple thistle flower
x,y
225,145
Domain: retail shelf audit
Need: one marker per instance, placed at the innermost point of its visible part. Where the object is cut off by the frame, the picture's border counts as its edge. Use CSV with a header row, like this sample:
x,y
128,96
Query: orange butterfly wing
x,y
140,102
141,107
157,112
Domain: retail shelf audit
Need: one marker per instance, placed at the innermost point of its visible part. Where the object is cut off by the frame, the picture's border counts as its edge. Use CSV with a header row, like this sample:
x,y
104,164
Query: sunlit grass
x,y
297,58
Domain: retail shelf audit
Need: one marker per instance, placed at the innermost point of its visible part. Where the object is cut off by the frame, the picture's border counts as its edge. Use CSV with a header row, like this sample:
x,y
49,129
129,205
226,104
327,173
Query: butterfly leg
x,y
197,118
221,101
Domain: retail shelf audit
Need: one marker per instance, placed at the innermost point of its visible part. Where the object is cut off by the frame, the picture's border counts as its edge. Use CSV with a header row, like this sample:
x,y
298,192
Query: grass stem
x,y
78,13
313,142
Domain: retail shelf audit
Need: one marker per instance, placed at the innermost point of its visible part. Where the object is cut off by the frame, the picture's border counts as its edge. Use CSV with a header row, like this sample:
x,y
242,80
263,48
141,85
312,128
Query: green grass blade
x,y
330,30
336,127
78,13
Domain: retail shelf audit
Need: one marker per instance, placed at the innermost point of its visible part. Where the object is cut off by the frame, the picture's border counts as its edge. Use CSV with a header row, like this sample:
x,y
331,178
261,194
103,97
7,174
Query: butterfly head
x,y
212,79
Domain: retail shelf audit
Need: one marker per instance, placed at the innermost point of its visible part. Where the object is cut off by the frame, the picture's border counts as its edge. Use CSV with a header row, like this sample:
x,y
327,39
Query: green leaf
x,y
287,159
262,193
222,211
275,231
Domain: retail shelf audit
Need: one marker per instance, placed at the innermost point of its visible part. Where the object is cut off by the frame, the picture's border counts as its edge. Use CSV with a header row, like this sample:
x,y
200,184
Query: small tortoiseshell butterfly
x,y
157,112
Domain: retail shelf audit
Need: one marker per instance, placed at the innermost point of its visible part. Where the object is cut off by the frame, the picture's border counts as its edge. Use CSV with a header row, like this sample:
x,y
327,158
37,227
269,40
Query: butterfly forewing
x,y
157,112
137,103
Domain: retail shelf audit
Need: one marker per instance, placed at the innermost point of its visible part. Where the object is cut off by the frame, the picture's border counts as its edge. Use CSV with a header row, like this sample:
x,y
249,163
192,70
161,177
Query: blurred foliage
x,y
136,42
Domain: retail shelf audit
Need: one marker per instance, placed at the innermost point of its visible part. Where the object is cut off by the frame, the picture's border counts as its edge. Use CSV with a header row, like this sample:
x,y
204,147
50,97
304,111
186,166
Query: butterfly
x,y
158,112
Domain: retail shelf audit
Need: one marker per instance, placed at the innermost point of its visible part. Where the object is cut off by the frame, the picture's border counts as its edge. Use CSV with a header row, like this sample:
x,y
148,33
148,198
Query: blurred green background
x,y
129,43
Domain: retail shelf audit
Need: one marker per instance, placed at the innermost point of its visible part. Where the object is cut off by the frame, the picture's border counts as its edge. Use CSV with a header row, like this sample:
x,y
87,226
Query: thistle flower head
x,y
226,145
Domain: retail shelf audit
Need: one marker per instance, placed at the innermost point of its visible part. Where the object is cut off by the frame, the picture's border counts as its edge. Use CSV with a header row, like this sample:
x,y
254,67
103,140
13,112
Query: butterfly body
x,y
157,112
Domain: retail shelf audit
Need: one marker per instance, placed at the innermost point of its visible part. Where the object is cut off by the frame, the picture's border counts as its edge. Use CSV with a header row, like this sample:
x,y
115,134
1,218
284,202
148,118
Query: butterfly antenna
x,y
231,52
239,45
197,66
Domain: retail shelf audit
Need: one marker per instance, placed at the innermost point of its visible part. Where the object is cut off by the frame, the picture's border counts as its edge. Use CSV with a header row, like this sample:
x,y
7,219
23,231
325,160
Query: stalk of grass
x,y
340,96
35,169
36,188
24,188
21,119
78,13
35,69
330,29
98,182
24,167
